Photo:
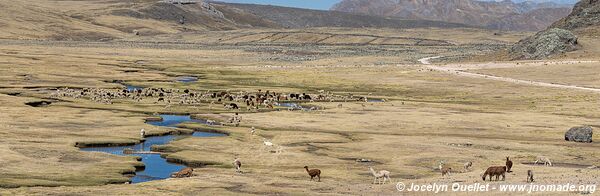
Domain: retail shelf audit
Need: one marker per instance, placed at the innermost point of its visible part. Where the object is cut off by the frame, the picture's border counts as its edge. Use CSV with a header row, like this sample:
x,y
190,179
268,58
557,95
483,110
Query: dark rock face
x,y
545,44
579,134
585,13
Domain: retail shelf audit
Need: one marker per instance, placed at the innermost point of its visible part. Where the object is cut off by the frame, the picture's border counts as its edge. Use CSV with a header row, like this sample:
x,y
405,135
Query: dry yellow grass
x,y
427,114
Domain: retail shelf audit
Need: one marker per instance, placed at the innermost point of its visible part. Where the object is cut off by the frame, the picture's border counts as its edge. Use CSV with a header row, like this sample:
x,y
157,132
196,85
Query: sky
x,y
310,4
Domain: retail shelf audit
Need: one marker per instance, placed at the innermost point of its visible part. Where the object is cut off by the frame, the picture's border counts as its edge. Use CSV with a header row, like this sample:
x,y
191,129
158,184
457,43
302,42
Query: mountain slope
x,y
302,18
585,18
111,19
499,15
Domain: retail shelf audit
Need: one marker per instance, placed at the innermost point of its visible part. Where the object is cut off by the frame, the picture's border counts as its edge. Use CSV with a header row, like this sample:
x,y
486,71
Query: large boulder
x,y
579,134
545,44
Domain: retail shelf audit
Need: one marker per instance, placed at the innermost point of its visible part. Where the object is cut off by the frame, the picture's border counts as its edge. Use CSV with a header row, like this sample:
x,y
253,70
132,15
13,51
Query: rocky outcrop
x,y
586,13
561,36
579,134
545,44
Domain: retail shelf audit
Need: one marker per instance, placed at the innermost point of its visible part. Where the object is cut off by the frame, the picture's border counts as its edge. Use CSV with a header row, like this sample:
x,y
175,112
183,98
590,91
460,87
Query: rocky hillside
x,y
504,15
584,20
561,37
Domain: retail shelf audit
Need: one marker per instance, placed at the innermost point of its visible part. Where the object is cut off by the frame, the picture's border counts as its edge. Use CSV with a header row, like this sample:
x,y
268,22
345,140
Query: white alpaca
x,y
468,165
441,165
381,174
544,160
267,143
210,122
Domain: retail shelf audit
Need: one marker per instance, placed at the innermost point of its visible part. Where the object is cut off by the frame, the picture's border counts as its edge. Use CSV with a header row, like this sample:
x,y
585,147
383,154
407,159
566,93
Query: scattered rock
x,y
545,44
38,103
579,134
364,160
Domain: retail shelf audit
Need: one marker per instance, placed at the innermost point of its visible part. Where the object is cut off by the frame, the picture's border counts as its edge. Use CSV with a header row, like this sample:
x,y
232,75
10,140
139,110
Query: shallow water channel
x,y
157,168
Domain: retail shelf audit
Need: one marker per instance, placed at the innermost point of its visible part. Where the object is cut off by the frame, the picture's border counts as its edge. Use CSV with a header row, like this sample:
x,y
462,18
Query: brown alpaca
x,y
529,176
313,172
509,164
446,170
495,171
185,172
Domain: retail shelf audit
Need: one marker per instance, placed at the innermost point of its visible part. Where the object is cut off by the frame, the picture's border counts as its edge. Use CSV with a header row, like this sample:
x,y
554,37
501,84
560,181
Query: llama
x,y
509,164
143,133
544,160
313,172
495,171
468,165
238,165
381,174
530,176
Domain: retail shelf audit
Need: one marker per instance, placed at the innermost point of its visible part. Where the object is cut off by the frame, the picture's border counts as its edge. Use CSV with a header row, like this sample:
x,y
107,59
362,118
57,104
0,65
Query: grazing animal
x,y
544,160
381,174
143,133
339,105
267,143
509,164
210,122
252,131
530,176
446,170
185,172
234,106
468,165
238,165
313,172
495,171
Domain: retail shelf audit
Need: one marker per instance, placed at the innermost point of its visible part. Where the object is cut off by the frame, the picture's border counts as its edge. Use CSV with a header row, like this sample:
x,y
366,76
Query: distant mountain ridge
x,y
504,15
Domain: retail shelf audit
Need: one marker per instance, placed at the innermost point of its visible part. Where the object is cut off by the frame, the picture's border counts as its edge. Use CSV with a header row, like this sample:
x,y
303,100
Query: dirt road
x,y
463,72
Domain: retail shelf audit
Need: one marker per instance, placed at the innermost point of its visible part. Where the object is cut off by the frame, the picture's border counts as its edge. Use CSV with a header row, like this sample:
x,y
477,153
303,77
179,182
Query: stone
x,y
579,134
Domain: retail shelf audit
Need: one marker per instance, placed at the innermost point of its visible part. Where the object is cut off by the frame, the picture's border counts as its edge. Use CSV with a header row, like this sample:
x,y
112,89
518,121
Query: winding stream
x,y
157,168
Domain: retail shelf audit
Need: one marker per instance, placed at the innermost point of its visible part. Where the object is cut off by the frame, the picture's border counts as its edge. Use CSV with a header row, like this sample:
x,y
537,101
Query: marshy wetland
x,y
412,119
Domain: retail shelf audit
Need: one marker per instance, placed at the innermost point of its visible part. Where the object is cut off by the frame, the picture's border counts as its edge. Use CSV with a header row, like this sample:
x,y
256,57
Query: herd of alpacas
x,y
254,101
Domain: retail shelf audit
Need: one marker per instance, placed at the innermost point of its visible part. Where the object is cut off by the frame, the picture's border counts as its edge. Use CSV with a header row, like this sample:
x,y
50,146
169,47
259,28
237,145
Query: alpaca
x,y
446,171
530,176
185,172
468,165
441,165
143,133
509,164
495,171
381,174
238,165
313,172
544,160
267,143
